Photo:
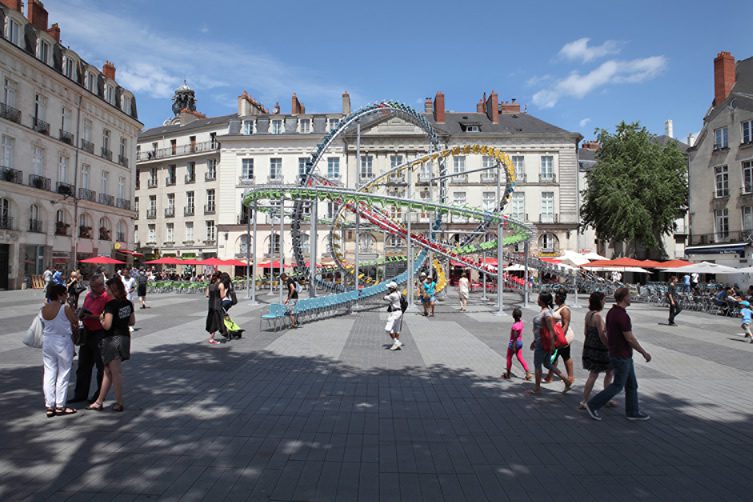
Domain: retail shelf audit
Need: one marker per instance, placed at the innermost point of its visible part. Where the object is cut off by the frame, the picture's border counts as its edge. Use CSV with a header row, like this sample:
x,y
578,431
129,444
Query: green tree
x,y
636,190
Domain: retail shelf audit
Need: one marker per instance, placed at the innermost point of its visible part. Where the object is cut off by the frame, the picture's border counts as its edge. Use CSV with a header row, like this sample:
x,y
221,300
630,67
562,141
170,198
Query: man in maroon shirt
x,y
89,355
621,343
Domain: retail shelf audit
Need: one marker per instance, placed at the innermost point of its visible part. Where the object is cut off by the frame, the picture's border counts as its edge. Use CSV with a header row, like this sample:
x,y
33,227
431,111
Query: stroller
x,y
232,330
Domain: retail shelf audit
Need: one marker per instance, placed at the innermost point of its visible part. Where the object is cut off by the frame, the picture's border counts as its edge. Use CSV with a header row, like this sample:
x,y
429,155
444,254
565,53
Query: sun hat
x,y
745,303
392,285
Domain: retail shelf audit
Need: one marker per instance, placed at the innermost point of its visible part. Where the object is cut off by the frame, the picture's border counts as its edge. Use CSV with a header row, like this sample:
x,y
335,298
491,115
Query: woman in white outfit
x,y
59,321
463,291
395,319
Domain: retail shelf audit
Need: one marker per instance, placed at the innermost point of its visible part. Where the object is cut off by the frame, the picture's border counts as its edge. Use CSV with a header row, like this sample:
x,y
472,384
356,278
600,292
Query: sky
x,y
578,65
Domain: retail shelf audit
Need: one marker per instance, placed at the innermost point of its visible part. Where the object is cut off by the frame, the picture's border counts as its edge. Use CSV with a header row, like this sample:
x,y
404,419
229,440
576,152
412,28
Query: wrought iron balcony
x,y
64,188
86,194
104,234
169,212
6,222
151,214
188,211
245,180
87,146
459,179
85,232
40,125
12,175
35,226
123,203
66,137
209,208
210,175
123,160
547,178
189,179
106,154
549,218
106,199
62,228
170,181
10,113
191,149
40,182
275,180
152,183
721,237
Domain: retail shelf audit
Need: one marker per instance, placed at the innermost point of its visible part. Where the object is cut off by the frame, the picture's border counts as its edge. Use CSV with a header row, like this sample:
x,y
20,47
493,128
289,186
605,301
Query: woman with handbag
x,y
595,353
57,350
543,342
563,315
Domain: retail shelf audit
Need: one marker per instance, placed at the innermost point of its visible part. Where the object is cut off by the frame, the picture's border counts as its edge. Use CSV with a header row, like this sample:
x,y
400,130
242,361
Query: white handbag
x,y
33,336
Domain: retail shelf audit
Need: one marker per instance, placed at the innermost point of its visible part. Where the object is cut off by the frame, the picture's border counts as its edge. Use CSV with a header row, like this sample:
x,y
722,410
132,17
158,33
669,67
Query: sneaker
x,y
395,346
672,324
593,413
640,417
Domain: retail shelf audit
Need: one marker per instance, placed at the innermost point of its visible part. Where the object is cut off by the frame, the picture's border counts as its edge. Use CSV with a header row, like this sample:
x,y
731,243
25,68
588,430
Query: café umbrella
x,y
102,260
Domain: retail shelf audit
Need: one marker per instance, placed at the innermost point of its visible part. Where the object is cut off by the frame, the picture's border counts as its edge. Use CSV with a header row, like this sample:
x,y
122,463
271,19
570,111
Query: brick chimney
x,y
511,107
37,15
54,32
428,105
592,145
492,108
346,103
13,4
480,106
108,69
296,107
439,108
724,76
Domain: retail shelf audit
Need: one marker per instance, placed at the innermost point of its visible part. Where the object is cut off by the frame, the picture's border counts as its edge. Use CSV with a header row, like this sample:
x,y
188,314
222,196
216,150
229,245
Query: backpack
x,y
403,303
233,297
143,279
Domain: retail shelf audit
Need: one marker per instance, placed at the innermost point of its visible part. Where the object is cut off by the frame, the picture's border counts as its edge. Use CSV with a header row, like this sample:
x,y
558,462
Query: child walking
x,y
515,346
747,315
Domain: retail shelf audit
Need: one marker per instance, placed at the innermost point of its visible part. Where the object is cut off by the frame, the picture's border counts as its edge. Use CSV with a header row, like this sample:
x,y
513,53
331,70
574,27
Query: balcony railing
x,y
245,181
547,178
86,194
106,154
104,234
521,177
123,203
460,178
169,212
123,160
151,214
162,153
85,232
275,180
152,183
488,178
35,226
549,218
87,146
62,228
189,179
210,242
6,222
170,181
64,188
210,176
12,175
721,237
106,199
66,137
40,182
188,211
209,208
10,113
40,125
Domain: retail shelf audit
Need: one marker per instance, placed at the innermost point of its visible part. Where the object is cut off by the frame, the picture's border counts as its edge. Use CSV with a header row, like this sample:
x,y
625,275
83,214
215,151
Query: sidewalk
x,y
325,412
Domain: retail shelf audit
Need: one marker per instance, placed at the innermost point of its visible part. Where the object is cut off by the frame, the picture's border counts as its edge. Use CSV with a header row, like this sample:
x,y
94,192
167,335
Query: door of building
x,y
4,263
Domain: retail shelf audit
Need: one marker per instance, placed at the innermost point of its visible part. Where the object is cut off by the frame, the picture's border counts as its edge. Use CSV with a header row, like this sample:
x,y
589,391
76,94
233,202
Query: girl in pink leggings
x,y
515,346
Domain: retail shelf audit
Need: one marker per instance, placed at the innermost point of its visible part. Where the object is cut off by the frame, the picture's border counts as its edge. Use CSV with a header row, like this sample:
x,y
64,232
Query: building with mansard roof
x,y
67,143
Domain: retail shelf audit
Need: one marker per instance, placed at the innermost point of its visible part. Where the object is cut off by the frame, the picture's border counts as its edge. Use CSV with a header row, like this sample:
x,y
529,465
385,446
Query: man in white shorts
x,y
395,319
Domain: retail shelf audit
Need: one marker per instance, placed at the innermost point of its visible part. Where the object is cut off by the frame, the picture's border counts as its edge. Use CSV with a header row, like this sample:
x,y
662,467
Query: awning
x,y
132,253
738,248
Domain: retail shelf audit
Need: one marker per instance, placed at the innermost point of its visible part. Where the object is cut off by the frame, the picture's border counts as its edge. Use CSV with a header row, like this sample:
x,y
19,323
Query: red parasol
x,y
103,260
675,263
214,262
167,260
235,263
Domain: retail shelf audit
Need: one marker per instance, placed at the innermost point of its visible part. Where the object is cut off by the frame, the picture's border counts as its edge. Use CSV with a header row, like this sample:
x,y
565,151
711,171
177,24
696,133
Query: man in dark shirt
x,y
621,343
292,298
89,355
674,306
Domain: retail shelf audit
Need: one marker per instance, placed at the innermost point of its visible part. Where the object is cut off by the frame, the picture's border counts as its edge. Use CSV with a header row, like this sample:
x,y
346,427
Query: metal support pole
x,y
282,243
500,250
313,244
358,209
410,243
526,288
74,237
483,261
253,283
248,253
575,286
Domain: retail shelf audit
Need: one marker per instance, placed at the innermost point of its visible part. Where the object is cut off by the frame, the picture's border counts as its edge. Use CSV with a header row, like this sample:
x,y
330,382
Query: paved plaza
x,y
327,413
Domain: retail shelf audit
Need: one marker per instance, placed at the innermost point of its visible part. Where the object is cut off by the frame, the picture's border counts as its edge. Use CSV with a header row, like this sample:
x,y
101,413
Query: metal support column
x,y
358,209
248,253
411,307
500,250
526,288
313,244
282,243
253,283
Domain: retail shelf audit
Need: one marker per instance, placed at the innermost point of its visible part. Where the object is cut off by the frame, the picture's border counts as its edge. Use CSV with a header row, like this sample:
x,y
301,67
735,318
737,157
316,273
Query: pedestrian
x,y
129,284
215,317
227,300
563,316
747,314
694,280
463,291
59,323
115,346
673,300
430,287
89,354
292,298
543,342
57,276
74,288
395,317
47,276
686,283
515,345
595,356
142,281
621,342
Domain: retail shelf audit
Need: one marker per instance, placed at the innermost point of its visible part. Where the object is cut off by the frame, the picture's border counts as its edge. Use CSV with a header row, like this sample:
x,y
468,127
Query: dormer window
x,y
13,30
91,81
473,128
127,104
332,124
304,126
43,51
69,68
248,127
109,93
470,126
276,127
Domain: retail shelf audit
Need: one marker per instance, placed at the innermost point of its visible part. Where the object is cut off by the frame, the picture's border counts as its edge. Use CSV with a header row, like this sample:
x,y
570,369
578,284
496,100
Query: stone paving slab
x,y
325,412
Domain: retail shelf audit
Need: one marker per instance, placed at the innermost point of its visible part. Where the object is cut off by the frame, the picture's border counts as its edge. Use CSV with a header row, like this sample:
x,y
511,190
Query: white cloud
x,y
578,85
538,79
584,122
155,64
579,50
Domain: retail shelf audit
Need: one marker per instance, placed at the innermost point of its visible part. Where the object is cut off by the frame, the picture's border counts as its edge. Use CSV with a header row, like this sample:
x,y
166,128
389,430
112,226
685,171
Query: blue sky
x,y
579,65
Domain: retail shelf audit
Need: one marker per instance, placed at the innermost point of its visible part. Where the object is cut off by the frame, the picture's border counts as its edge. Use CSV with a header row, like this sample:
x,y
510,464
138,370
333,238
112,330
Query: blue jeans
x,y
624,378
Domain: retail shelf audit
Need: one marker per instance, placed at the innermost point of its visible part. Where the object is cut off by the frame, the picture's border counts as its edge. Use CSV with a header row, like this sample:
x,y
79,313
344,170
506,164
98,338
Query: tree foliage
x,y
637,189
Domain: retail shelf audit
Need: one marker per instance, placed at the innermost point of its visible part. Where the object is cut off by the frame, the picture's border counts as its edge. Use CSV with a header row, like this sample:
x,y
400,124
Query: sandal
x,y
50,412
528,376
95,406
212,341
65,411
117,407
